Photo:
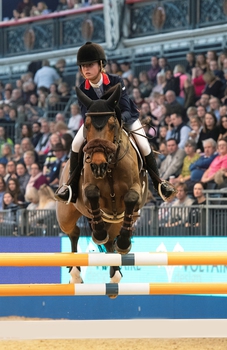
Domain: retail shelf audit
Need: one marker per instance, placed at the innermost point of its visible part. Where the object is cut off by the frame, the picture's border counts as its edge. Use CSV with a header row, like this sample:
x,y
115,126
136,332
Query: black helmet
x,y
89,53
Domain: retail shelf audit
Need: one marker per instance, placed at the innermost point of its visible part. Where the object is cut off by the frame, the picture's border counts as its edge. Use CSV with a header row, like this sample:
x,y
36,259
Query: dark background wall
x,y
9,6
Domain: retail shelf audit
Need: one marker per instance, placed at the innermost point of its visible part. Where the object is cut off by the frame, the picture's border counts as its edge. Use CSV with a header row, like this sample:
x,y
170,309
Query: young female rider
x,y
92,59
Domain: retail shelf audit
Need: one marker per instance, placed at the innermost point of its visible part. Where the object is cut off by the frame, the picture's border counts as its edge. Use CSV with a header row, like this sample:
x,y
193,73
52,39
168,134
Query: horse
x,y
112,186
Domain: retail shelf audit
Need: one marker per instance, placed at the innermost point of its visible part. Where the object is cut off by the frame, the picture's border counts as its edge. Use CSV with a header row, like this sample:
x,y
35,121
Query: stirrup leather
x,y
70,192
169,187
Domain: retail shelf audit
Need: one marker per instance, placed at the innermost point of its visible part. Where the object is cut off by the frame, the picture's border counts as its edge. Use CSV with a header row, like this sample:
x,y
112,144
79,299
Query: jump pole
x,y
111,289
113,259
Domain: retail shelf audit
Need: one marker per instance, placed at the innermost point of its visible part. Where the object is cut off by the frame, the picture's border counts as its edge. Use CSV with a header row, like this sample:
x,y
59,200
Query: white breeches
x,y
141,141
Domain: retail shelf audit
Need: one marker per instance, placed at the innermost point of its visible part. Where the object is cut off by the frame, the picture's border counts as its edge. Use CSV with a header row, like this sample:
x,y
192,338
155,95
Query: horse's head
x,y
102,125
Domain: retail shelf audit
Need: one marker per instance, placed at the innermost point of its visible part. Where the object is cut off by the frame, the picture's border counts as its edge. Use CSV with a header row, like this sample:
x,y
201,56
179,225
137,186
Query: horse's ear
x,y
84,99
115,97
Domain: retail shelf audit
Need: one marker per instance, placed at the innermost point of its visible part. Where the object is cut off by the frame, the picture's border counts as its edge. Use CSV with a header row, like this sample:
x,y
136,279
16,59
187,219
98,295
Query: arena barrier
x,y
109,289
113,259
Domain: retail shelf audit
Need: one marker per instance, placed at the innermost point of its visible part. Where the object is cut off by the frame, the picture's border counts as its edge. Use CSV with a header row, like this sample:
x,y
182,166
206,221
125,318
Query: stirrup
x,y
169,187
70,192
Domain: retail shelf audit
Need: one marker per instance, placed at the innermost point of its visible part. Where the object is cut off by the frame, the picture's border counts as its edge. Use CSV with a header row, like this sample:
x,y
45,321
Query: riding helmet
x,y
90,53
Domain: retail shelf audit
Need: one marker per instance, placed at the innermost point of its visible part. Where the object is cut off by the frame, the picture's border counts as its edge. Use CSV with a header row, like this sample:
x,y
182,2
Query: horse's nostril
x,y
99,171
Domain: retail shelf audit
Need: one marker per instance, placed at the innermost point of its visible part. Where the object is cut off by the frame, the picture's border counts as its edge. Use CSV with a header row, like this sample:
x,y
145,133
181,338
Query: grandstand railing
x,y
209,219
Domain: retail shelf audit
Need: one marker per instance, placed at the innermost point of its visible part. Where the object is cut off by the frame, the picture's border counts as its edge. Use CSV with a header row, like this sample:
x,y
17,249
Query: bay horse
x,y
112,186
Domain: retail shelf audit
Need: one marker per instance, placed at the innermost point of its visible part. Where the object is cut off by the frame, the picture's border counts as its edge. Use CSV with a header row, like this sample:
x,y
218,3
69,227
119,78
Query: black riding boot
x,y
62,193
164,188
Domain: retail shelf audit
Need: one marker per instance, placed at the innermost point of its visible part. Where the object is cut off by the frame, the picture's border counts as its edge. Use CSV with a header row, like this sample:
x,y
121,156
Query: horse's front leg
x,y
99,233
123,241
75,270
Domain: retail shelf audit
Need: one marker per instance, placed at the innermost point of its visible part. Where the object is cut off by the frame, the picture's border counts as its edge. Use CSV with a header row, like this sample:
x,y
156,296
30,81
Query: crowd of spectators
x,y
31,8
183,111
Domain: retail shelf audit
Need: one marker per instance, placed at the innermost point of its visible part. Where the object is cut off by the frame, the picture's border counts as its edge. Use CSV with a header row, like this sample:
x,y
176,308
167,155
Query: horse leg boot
x,y
69,191
164,188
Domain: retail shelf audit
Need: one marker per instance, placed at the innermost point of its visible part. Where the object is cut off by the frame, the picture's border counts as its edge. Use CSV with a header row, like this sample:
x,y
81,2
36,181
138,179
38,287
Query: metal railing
x,y
209,219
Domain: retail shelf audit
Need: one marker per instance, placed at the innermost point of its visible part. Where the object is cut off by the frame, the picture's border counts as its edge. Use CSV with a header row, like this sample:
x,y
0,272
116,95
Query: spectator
x,y
163,64
198,81
62,5
53,105
40,10
223,127
115,68
189,93
196,127
2,191
201,62
214,104
213,65
23,176
36,133
190,58
75,120
7,153
214,86
137,98
26,145
29,159
126,71
43,146
46,75
16,98
13,187
32,197
219,163
190,158
179,72
180,131
10,170
31,108
210,130
222,111
26,131
64,90
60,68
24,7
197,216
4,139
154,70
171,83
198,168
180,214
37,178
172,104
9,203
160,77
172,164
3,170
145,85
53,176
66,140
51,157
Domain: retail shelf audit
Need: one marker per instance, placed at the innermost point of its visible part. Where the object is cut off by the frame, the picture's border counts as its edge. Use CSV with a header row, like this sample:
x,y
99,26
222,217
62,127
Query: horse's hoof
x,y
122,250
99,242
113,296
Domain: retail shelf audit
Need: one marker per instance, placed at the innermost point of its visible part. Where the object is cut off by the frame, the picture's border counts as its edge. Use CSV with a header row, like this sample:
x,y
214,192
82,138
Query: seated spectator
x,y
201,62
172,164
65,95
180,207
199,167
198,82
54,174
214,105
75,120
2,190
197,216
145,85
204,101
51,157
10,170
16,98
36,133
62,5
219,163
39,10
213,65
160,83
164,213
53,106
37,178
223,127
7,153
66,140
180,131
196,127
13,187
172,104
190,58
190,158
4,139
26,145
137,98
126,71
171,83
214,86
11,219
24,7
23,176
3,170
115,68
43,146
179,72
46,75
154,70
32,109
29,159
210,130
26,131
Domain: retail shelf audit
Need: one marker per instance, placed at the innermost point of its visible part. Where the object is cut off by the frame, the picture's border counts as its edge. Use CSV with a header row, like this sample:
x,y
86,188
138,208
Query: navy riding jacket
x,y
129,111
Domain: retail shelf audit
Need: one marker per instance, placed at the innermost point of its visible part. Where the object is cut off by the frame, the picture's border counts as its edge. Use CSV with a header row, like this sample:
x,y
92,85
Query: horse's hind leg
x,y
123,241
99,233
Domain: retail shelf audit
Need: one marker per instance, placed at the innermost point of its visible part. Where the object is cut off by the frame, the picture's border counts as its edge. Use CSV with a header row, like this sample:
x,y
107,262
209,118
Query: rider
x,y
91,59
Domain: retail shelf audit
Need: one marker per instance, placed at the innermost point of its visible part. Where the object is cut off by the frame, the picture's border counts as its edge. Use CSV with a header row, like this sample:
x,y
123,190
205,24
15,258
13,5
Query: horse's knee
x,y
92,193
131,198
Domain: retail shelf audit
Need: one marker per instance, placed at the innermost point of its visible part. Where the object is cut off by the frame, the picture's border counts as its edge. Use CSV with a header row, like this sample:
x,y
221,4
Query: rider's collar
x,y
105,80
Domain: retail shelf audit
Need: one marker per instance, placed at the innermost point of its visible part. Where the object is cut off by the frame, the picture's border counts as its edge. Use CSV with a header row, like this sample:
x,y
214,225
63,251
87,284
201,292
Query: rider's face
x,y
91,72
